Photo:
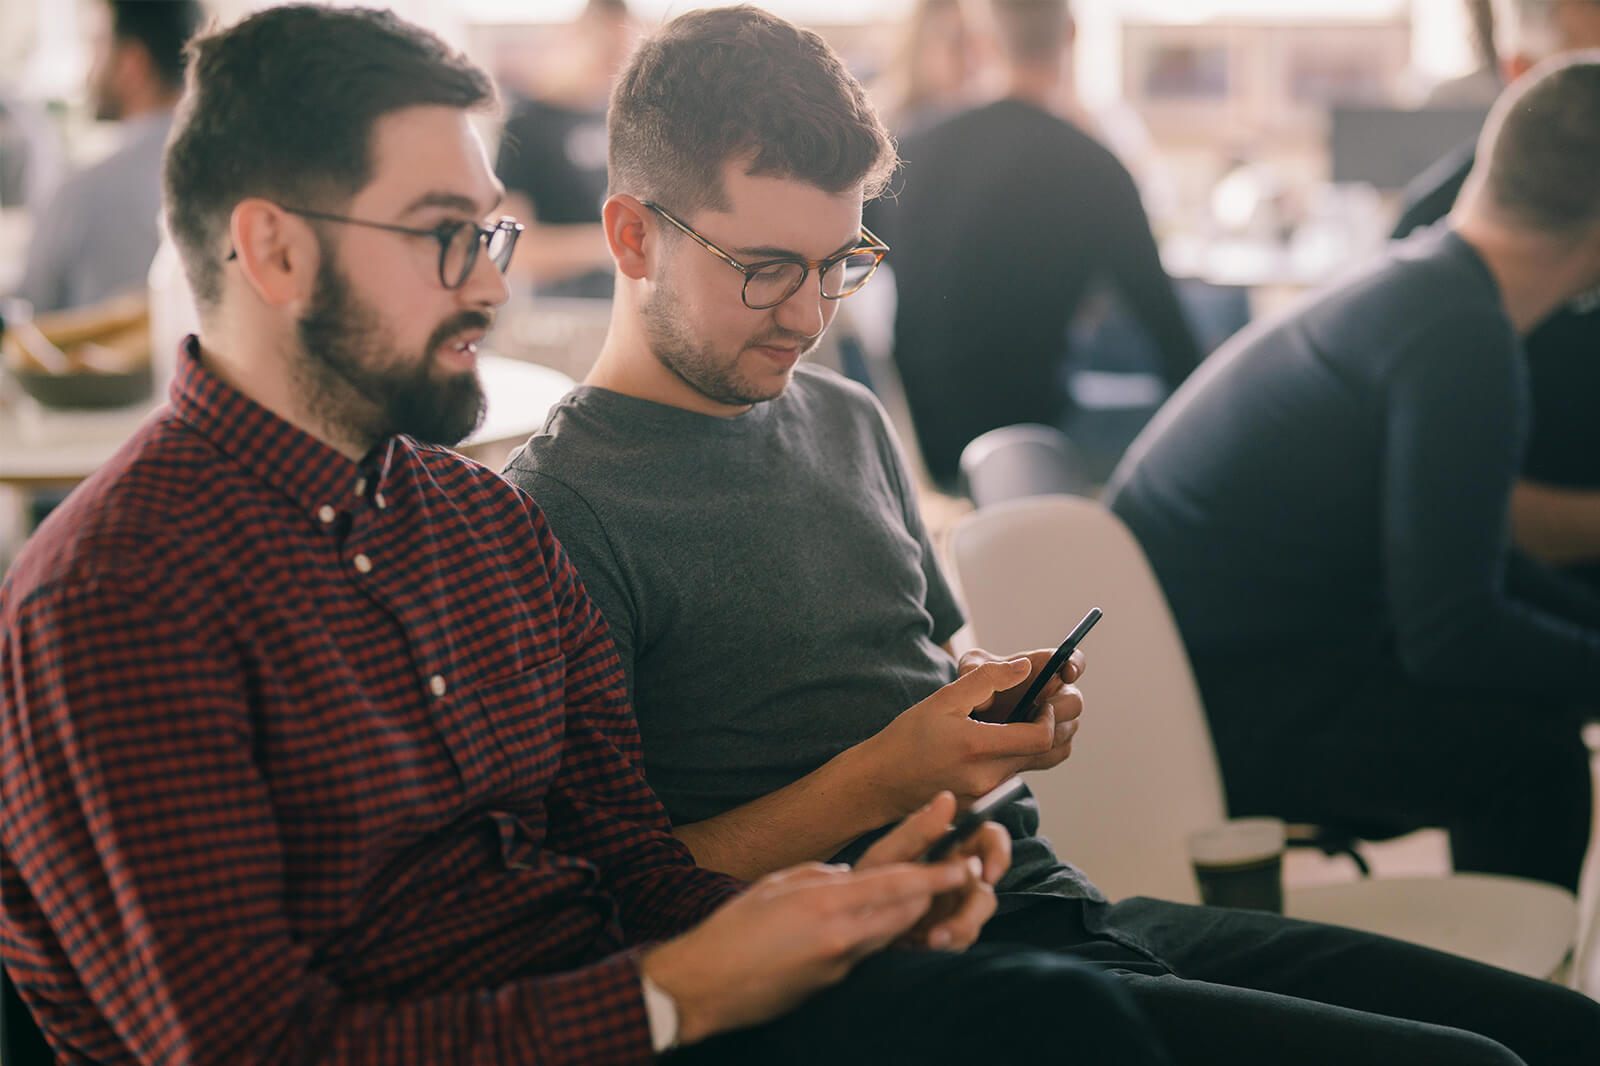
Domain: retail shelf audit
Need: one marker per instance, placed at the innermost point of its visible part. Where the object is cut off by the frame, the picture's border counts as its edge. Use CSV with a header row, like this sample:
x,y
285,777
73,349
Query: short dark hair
x,y
726,83
1542,144
1031,31
161,27
282,106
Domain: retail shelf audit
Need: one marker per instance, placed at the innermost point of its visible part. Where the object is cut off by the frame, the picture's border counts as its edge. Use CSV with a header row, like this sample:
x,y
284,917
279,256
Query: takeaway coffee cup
x,y
1240,864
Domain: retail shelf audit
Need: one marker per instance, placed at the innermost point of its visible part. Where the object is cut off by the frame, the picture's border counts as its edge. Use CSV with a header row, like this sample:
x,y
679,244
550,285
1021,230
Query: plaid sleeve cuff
x,y
590,1017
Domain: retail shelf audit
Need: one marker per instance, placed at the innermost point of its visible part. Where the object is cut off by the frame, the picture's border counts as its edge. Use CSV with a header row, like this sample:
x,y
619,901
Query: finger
x,y
913,836
1048,760
882,902
970,660
1065,706
1073,668
979,685
991,845
1013,740
976,904
804,872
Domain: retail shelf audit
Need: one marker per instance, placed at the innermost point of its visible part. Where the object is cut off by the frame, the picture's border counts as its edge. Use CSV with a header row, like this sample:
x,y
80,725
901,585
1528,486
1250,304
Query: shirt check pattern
x,y
307,759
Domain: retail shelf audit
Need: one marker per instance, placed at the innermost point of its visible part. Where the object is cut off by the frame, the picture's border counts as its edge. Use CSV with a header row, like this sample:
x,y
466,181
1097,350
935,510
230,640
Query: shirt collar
x,y
308,471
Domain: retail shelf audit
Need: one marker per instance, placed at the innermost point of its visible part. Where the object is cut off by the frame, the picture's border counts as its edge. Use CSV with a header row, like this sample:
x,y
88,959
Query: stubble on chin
x,y
716,377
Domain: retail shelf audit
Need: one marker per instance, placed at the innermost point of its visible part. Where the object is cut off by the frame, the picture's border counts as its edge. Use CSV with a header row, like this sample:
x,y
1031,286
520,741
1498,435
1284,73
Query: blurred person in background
x,y
933,69
1008,215
96,236
30,152
1555,508
552,156
1326,506
1479,87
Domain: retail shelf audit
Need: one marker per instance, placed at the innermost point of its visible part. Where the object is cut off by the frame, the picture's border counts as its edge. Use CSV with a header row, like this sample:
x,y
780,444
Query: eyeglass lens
x,y
773,285
460,251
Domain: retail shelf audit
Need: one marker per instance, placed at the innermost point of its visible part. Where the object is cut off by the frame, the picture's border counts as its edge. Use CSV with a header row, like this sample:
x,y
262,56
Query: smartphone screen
x,y
1026,707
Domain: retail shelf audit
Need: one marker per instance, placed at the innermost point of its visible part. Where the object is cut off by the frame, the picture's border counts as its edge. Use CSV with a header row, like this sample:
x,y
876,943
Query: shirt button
x,y
361,486
436,685
326,514
380,501
363,564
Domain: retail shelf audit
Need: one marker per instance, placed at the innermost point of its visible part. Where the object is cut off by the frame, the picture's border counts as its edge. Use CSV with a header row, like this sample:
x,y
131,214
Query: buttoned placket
x,y
435,683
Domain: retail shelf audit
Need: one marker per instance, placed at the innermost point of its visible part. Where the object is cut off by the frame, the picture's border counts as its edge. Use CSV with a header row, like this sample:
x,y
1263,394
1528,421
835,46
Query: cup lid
x,y
1239,840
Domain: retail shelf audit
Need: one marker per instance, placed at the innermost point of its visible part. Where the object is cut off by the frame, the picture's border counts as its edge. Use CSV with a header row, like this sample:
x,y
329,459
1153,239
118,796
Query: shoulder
x,y
133,522
826,396
471,487
581,434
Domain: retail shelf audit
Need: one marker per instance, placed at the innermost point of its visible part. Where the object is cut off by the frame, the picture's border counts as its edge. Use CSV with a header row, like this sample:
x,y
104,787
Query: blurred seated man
x,y
751,533
1008,215
96,236
315,748
1555,508
552,157
1327,507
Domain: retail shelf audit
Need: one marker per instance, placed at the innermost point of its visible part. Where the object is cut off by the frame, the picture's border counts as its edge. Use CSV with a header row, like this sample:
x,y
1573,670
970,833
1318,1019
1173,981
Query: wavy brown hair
x,y
737,82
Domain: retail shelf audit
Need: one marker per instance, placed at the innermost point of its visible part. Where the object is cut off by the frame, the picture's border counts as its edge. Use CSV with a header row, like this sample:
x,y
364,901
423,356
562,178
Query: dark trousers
x,y
1243,988
994,1006
1351,743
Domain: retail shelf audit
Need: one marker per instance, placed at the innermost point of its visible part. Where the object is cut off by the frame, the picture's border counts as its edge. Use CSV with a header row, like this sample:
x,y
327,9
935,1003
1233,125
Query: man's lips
x,y
783,351
463,346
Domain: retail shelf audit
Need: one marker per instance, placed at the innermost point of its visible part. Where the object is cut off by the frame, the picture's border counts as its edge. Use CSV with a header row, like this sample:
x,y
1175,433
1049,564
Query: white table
x,y
42,448
1447,913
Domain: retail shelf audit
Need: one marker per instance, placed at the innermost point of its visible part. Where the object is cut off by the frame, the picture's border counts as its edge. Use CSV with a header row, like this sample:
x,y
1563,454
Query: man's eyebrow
x,y
756,253
452,200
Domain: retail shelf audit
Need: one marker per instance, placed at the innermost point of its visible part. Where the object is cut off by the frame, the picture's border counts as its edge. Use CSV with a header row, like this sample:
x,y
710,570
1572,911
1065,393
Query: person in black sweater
x,y
1006,217
1556,506
1326,506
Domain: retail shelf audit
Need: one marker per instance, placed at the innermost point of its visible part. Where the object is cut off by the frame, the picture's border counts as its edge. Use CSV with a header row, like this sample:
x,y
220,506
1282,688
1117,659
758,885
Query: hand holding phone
x,y
970,820
1026,707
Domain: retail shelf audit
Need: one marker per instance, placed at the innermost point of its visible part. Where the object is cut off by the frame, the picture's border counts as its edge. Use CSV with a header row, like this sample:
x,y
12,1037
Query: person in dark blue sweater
x,y
1326,504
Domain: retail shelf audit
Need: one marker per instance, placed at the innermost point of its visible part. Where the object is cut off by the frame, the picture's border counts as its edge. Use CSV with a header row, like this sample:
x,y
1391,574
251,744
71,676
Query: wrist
x,y
661,1010
674,976
863,778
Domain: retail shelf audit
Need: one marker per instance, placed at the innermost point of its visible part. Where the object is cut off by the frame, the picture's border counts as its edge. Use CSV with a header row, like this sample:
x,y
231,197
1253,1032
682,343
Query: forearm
x,y
811,819
1557,526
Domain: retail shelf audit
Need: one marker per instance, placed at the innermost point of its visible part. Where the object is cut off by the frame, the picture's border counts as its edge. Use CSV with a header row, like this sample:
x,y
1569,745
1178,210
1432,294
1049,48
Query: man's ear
x,y
276,252
630,231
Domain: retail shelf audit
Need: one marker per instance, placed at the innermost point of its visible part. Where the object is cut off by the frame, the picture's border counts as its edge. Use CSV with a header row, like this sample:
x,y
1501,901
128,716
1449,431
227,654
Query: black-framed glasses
x,y
772,281
459,241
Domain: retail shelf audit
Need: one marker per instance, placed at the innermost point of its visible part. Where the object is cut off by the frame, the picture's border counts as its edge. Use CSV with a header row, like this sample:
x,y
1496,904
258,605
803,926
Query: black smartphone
x,y
967,822
1025,709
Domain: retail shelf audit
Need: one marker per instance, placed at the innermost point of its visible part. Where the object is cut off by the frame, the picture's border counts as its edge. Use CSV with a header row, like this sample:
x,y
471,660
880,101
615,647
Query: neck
x,y
1536,274
259,363
148,102
628,364
1035,84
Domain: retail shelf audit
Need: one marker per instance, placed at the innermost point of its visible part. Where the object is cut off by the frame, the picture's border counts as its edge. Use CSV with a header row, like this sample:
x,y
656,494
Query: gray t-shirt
x,y
768,582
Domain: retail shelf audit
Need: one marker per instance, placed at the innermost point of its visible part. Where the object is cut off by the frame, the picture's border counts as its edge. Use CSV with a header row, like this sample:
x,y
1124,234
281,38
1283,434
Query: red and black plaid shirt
x,y
311,759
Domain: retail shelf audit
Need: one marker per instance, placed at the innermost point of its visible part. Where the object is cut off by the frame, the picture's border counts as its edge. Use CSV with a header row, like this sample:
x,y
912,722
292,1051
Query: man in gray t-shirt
x,y
750,532
775,600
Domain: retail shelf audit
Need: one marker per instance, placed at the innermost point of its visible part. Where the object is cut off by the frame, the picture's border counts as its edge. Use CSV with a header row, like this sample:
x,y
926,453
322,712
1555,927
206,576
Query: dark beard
x,y
338,334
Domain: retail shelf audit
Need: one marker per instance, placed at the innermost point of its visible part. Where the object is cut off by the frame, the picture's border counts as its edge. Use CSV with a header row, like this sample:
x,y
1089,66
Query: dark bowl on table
x,y
85,390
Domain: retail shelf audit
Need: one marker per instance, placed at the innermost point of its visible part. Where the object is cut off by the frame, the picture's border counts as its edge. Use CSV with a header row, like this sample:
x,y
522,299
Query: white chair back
x,y
1143,773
